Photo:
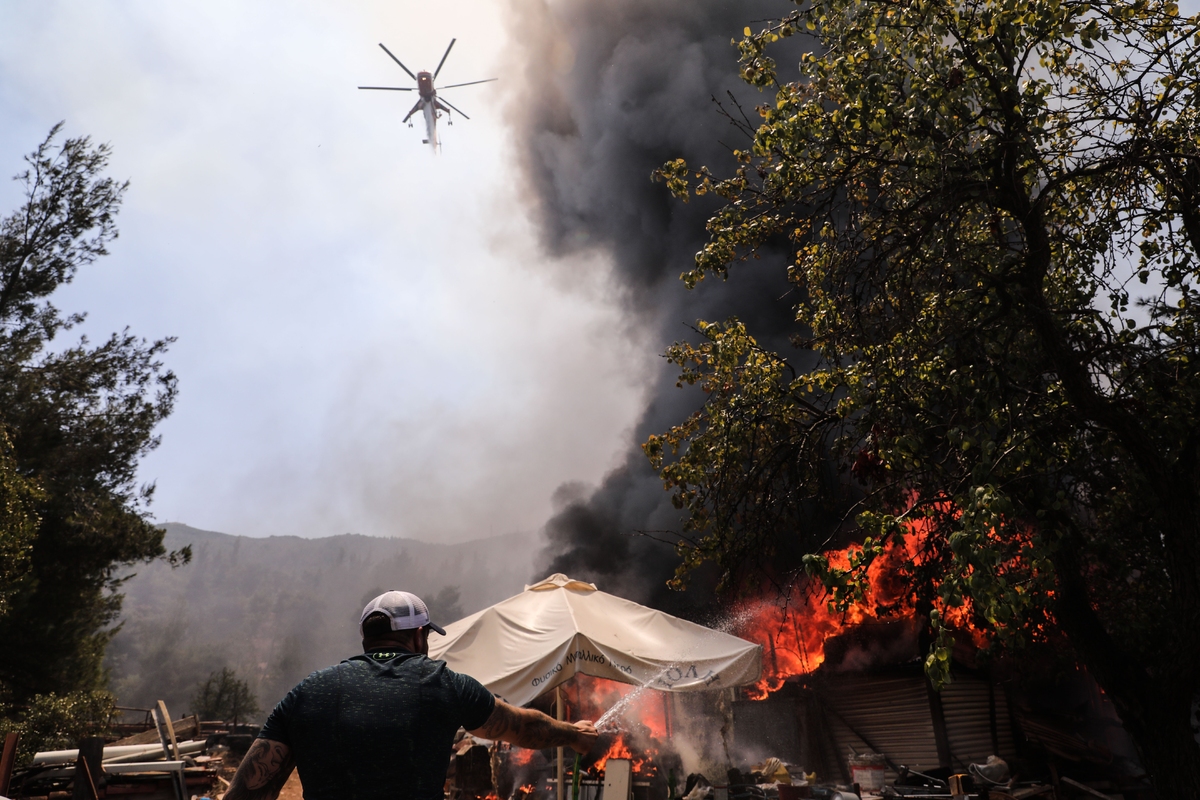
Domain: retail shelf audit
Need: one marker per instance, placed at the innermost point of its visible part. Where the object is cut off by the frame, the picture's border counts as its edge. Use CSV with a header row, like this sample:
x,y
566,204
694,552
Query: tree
x,y
75,420
993,211
223,696
446,606
17,523
58,722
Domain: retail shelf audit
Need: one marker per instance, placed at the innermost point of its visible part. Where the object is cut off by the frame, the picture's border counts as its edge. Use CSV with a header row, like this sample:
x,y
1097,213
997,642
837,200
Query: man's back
x,y
379,725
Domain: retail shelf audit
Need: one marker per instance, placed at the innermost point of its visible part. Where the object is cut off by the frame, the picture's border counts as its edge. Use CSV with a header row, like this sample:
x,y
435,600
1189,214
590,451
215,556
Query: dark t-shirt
x,y
378,725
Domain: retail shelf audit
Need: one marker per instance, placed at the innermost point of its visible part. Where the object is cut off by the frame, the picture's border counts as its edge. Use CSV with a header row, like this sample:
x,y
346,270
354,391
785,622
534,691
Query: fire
x,y
589,698
618,750
644,717
520,757
794,630
643,760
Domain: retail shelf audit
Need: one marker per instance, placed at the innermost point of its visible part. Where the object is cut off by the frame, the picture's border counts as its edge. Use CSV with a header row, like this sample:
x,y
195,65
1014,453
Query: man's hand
x,y
587,737
527,727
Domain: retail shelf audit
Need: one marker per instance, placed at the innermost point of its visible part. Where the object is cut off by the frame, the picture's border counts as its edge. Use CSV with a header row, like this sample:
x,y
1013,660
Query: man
x,y
381,725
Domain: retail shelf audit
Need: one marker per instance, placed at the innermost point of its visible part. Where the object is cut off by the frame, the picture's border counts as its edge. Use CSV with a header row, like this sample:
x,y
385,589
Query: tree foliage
x,y
994,214
18,523
75,418
58,722
224,696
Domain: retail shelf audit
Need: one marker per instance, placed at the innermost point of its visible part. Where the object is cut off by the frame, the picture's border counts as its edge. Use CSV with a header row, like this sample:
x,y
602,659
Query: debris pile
x,y
149,764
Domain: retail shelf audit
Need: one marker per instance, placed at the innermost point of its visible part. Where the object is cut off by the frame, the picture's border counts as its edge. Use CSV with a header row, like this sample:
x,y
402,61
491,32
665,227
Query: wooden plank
x,y
166,718
145,766
8,759
166,734
185,728
163,739
1085,788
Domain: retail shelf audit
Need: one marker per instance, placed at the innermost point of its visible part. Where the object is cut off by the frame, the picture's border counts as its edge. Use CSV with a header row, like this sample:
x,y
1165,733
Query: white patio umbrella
x,y
532,642
528,644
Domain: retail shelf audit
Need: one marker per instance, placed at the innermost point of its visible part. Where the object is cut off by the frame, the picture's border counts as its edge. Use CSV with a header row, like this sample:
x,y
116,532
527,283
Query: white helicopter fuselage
x,y
431,115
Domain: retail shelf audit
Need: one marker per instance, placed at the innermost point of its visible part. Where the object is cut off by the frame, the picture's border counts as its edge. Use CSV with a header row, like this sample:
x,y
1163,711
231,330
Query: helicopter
x,y
429,102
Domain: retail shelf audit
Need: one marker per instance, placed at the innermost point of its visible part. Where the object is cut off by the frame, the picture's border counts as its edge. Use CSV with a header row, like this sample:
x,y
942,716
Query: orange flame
x,y
794,630
643,760
589,698
644,715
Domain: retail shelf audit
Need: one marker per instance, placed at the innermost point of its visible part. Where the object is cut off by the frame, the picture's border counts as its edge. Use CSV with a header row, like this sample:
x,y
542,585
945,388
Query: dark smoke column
x,y
611,89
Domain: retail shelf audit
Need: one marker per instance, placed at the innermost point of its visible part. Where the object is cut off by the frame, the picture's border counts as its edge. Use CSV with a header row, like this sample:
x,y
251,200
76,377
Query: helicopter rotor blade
x,y
391,88
398,61
456,108
468,83
443,61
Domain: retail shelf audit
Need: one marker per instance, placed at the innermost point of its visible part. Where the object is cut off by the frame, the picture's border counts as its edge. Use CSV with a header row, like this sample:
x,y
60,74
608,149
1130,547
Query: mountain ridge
x,y
275,608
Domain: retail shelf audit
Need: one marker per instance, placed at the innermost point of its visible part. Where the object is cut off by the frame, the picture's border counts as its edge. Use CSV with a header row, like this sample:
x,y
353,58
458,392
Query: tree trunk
x,y
1156,713
1154,701
1166,743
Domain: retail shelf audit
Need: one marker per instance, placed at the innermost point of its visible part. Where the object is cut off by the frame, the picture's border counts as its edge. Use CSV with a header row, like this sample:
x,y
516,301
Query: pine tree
x,y
75,418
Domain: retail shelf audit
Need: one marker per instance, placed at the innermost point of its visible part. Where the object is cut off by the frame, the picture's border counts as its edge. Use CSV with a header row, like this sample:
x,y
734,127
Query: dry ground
x,y
292,790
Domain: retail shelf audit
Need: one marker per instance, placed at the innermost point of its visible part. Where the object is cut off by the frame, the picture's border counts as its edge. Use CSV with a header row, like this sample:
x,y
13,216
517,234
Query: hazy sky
x,y
368,338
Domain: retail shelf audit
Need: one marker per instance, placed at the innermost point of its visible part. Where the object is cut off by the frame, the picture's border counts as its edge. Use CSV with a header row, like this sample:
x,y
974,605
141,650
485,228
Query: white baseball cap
x,y
404,609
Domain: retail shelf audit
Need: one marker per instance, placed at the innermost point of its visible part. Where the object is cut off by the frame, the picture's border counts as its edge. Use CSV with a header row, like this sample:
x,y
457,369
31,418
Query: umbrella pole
x,y
558,713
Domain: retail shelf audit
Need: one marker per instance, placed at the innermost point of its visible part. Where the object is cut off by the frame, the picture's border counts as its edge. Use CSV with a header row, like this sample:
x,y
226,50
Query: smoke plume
x,y
610,90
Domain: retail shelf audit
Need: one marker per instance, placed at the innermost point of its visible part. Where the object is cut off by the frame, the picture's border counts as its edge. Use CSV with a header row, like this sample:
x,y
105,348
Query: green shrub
x,y
58,722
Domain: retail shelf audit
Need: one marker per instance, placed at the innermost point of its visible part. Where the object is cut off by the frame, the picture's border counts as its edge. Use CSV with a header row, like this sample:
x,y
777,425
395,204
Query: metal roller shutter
x,y
967,706
889,715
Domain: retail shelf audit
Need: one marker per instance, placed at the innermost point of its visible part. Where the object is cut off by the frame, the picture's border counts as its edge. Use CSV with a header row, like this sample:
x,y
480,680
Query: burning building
x,y
835,687
837,683
789,679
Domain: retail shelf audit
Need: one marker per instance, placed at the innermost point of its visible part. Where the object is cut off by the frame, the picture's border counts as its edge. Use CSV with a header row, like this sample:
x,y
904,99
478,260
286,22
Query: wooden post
x,y
940,736
558,714
166,734
993,722
668,726
88,771
8,759
170,726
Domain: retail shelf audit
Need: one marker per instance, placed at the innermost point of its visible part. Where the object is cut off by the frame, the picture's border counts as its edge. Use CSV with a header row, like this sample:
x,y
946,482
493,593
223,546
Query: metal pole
x,y
558,713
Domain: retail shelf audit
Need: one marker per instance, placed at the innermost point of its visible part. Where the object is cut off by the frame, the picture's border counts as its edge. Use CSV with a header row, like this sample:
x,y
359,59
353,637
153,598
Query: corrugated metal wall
x,y
892,715
888,715
969,709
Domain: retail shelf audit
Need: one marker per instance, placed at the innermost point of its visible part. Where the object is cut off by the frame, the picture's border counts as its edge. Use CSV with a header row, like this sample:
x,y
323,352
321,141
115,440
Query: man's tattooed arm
x,y
263,772
526,727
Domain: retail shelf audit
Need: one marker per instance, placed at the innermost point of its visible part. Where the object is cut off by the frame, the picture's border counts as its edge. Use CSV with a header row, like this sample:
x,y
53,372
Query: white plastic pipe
x,y
185,749
146,766
124,751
